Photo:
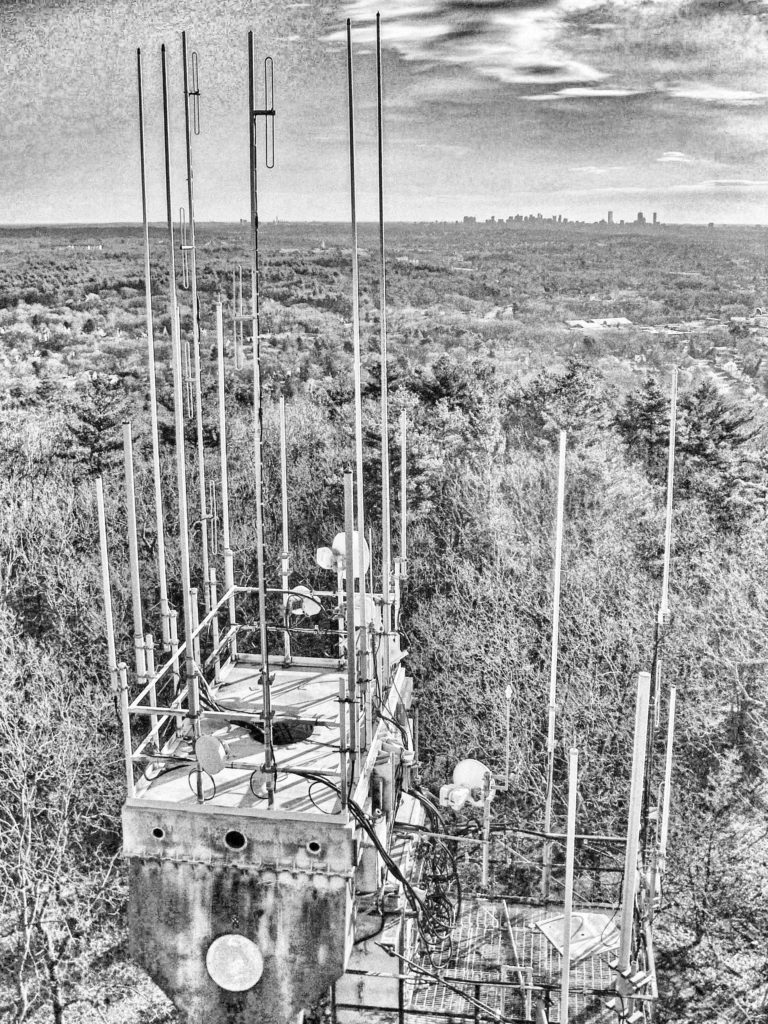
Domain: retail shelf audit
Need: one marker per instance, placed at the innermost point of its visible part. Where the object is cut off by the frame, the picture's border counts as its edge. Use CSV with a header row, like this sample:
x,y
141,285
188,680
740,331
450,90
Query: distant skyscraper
x,y
655,218
640,218
610,216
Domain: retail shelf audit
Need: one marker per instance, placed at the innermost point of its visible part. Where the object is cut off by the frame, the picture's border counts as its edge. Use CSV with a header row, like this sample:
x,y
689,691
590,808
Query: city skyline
x,y
489,105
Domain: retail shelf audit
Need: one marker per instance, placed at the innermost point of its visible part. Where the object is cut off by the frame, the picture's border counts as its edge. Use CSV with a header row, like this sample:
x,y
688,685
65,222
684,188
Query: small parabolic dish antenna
x,y
336,554
470,774
359,544
211,754
234,962
303,602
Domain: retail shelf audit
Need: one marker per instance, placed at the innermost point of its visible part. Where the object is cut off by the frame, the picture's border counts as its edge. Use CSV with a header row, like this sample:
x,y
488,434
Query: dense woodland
x,y
488,374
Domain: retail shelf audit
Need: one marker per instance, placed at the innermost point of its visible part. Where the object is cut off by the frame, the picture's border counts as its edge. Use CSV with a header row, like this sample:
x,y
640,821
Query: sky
x,y
492,107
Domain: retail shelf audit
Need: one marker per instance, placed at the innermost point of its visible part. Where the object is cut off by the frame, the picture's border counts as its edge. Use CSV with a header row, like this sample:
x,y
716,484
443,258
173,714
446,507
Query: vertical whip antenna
x,y
106,587
570,849
351,701
229,577
190,673
357,375
160,529
552,706
133,555
662,617
386,529
401,562
192,99
633,824
253,113
285,565
664,604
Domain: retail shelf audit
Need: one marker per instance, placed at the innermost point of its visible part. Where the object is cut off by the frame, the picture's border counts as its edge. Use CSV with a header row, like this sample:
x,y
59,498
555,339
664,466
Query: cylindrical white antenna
x,y
667,780
159,519
190,673
229,580
106,587
285,566
357,380
570,849
196,328
401,562
125,718
664,605
349,568
133,555
633,825
258,433
552,706
386,529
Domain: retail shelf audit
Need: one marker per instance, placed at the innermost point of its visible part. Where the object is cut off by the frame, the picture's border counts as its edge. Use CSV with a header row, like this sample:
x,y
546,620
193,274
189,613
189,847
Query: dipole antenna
x,y
190,672
358,385
386,530
160,529
552,706
192,123
268,112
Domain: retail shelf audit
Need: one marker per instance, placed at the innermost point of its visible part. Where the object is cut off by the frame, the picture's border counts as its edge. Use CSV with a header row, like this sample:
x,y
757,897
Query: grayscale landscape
x,y
642,288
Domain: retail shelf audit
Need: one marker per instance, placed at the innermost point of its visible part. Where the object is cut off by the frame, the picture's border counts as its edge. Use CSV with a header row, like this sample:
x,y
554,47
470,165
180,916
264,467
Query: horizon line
x,y
501,222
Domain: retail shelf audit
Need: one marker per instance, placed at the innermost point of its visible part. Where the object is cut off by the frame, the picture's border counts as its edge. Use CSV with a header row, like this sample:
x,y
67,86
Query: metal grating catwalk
x,y
478,975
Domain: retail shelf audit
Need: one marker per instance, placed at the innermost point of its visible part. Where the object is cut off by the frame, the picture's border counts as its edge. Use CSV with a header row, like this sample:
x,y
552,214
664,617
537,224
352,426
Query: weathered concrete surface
x,y
187,888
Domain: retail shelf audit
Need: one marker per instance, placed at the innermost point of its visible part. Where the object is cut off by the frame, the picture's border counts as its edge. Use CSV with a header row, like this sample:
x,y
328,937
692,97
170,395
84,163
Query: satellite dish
x,y
371,612
325,558
211,754
339,548
470,774
310,606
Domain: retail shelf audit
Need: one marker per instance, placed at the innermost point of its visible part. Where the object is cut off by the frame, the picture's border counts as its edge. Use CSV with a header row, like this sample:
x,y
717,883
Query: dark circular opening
x,y
158,832
314,847
235,840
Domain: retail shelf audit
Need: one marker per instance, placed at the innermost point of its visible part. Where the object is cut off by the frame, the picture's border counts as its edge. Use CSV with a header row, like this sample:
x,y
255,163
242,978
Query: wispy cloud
x,y
674,157
725,185
594,169
508,40
706,92
583,93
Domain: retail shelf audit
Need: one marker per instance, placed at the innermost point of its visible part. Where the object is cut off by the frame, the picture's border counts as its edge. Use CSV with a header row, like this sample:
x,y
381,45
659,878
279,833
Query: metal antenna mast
x,y
358,390
552,707
661,619
193,96
164,608
178,411
253,113
386,530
